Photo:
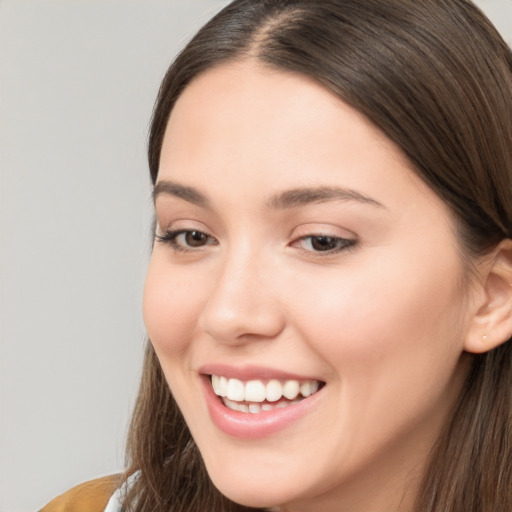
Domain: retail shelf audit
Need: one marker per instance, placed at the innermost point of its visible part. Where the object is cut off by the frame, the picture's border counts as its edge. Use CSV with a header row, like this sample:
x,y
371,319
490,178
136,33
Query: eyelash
x,y
341,244
170,237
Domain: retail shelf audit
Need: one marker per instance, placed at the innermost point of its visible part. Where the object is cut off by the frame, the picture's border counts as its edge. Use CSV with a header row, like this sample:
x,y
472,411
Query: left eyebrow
x,y
189,194
303,196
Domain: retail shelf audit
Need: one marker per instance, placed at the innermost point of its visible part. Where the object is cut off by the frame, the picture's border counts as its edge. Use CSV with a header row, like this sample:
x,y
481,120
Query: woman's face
x,y
298,253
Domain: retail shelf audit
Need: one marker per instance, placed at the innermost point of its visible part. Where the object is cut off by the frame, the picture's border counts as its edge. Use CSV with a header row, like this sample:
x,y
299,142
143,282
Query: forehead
x,y
244,110
250,90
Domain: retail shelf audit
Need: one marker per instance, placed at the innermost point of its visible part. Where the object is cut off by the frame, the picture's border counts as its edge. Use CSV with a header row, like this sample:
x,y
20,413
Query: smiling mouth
x,y
255,396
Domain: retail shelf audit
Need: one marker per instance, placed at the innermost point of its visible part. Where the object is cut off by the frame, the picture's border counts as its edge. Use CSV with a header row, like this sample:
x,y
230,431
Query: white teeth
x,y
235,406
291,389
274,390
235,390
220,385
257,391
308,388
215,384
305,389
223,386
254,408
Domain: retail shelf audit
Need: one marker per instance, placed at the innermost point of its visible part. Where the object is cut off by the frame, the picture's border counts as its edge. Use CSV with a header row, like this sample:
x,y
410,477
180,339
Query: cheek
x,y
392,341
402,311
170,308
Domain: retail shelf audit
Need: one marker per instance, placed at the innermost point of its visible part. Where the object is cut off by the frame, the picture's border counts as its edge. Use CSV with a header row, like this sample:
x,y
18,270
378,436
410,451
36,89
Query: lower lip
x,y
258,425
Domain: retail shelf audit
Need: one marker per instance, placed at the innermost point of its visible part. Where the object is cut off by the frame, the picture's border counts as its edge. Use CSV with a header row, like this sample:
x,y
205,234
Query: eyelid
x,y
179,224
344,239
322,229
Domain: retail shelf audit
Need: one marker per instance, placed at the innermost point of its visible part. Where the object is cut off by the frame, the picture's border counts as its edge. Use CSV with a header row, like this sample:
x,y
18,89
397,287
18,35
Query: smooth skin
x,y
362,288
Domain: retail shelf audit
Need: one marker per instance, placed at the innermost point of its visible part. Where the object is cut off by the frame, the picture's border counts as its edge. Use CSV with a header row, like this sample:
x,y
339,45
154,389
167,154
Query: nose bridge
x,y
243,302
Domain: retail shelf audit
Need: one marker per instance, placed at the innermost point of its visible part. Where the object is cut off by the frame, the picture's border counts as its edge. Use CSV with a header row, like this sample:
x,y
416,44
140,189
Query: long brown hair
x,y
436,78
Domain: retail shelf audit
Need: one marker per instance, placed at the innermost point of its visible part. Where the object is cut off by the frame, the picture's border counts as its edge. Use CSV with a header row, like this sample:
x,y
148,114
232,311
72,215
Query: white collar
x,y
114,503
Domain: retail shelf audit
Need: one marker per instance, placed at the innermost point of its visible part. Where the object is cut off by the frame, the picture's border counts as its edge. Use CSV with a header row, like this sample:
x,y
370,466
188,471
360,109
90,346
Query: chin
x,y
253,497
253,490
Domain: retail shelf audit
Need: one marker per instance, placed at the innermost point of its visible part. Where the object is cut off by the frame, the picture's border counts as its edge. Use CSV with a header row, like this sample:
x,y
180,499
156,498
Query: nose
x,y
243,304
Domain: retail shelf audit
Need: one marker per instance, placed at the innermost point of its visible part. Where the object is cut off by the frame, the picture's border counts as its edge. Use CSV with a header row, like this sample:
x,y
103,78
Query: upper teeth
x,y
259,391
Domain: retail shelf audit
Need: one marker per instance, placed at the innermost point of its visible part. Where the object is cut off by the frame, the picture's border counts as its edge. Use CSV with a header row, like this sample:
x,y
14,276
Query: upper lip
x,y
249,372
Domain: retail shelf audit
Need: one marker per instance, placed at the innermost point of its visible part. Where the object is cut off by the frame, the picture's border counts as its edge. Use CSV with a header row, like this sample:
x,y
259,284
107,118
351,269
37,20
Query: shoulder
x,y
91,496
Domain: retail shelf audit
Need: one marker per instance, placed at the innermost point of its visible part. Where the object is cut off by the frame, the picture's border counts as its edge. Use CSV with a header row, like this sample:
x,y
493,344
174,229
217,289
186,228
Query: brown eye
x,y
324,243
183,240
195,238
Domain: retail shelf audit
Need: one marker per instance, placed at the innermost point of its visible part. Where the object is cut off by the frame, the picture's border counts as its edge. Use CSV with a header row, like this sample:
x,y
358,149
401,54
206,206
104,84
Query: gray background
x,y
77,84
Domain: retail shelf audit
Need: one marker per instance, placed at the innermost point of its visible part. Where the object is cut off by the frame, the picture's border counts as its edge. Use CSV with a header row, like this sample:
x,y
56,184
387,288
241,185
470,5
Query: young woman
x,y
329,298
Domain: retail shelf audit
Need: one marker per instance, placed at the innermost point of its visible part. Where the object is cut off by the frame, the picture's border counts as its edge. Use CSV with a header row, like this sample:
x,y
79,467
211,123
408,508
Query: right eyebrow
x,y
189,194
303,196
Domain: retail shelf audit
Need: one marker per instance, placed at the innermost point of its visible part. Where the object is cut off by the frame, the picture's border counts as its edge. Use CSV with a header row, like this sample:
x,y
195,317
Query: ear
x,y
491,324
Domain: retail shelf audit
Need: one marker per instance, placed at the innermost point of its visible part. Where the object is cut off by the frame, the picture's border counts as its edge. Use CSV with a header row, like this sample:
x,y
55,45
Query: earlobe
x,y
491,324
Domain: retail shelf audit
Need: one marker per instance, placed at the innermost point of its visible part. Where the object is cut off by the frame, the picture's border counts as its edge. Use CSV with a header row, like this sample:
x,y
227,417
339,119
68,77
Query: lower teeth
x,y
255,408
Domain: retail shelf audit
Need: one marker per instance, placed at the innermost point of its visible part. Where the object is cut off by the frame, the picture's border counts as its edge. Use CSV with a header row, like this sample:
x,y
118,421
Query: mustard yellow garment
x,y
90,496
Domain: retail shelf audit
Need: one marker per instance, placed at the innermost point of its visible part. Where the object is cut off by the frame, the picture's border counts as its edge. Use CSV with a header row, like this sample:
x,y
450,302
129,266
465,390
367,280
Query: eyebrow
x,y
304,196
288,199
189,194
